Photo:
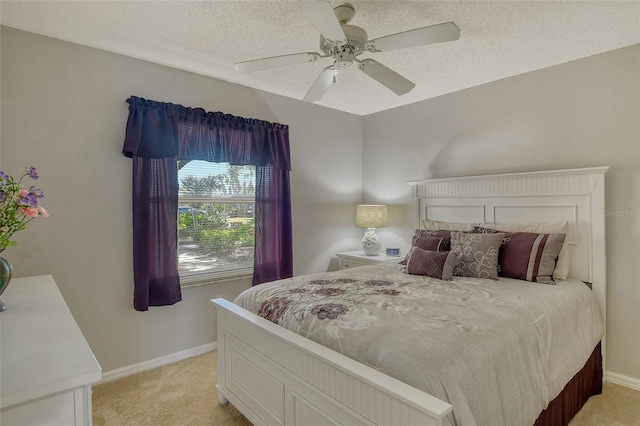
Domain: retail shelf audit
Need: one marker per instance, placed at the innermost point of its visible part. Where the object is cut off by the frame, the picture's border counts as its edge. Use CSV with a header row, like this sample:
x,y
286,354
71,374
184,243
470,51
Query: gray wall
x,y
64,112
580,114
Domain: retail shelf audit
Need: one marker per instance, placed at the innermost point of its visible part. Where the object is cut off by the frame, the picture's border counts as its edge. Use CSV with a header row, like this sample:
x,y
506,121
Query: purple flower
x,y
17,206
297,290
329,310
388,292
330,291
378,282
272,309
319,282
35,191
345,280
31,171
28,200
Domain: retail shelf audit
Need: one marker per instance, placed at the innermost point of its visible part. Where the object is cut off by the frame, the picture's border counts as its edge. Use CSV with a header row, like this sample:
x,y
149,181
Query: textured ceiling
x,y
498,40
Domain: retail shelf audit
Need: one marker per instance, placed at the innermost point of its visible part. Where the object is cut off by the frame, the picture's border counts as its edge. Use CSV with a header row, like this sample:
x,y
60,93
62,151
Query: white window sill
x,y
214,278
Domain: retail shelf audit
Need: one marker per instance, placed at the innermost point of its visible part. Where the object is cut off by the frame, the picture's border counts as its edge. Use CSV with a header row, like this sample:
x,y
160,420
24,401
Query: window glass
x,y
216,219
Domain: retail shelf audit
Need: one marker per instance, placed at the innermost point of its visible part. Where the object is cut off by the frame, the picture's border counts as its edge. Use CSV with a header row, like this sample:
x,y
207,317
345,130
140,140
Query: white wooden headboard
x,y
575,195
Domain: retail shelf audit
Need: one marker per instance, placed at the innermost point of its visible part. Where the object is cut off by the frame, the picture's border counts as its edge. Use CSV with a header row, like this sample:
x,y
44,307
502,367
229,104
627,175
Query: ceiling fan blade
x,y
324,18
386,76
413,38
320,86
276,61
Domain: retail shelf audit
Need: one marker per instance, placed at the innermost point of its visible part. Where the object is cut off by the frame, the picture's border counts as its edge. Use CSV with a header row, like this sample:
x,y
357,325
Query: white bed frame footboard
x,y
275,377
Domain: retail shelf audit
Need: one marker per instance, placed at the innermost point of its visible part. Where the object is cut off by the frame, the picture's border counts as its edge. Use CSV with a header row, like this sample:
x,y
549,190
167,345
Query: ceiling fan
x,y
344,43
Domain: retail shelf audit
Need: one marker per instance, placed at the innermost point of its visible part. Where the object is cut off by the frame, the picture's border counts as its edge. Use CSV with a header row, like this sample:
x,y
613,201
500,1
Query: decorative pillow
x,y
426,241
562,267
420,233
528,256
435,264
433,225
433,243
476,254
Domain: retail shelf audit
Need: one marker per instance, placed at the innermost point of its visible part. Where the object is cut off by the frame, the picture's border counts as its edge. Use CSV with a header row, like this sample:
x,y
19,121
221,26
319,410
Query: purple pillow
x,y
527,255
433,243
435,264
429,240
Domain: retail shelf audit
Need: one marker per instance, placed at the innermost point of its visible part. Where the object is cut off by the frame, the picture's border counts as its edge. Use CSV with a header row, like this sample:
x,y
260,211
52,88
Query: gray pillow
x,y
476,254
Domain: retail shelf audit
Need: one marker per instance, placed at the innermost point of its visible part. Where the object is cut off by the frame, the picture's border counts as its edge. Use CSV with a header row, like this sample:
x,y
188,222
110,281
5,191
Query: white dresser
x,y
46,365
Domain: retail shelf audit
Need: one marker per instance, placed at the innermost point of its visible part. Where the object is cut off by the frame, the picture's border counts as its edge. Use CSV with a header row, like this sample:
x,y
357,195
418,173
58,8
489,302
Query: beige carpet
x,y
184,394
178,394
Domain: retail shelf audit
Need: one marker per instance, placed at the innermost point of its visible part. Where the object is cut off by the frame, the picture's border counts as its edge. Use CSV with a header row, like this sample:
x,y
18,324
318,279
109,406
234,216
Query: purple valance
x,y
166,130
157,135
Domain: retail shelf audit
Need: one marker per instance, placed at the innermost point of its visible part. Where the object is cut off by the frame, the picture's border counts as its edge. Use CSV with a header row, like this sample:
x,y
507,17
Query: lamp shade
x,y
371,216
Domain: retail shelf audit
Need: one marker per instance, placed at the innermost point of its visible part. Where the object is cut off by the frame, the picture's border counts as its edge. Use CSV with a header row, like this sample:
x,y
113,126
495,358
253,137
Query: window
x,y
216,219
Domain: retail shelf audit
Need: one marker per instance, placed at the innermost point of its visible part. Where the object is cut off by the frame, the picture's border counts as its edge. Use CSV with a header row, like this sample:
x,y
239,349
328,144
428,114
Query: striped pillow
x,y
429,240
528,256
562,265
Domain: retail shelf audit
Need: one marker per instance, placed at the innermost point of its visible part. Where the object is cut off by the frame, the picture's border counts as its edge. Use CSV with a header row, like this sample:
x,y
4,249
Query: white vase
x,y
371,249
371,243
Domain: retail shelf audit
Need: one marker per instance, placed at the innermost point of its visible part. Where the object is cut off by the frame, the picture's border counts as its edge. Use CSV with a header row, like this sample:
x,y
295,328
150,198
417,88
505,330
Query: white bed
x,y
274,376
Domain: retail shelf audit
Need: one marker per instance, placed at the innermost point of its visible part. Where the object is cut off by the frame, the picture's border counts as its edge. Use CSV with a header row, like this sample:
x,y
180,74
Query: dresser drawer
x,y
353,259
346,264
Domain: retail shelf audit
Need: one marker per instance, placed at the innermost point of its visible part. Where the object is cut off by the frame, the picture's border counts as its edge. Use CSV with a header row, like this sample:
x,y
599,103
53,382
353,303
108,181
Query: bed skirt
x,y
586,383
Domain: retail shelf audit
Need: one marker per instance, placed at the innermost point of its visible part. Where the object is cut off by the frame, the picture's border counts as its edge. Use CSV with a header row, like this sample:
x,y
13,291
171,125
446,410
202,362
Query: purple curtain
x,y
273,207
155,231
157,135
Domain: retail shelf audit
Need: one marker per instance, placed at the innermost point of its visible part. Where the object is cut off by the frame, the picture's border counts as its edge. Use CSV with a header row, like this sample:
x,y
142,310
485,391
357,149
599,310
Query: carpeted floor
x,y
184,394
178,394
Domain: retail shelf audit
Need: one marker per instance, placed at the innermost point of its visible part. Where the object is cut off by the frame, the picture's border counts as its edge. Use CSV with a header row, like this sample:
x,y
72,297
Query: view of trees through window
x,y
216,217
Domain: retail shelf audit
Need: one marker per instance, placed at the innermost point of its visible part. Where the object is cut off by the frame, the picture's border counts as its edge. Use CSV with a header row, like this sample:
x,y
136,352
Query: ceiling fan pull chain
x,y
335,70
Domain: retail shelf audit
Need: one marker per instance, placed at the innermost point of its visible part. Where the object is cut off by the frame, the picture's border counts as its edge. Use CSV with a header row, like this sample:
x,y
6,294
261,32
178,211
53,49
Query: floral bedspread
x,y
471,342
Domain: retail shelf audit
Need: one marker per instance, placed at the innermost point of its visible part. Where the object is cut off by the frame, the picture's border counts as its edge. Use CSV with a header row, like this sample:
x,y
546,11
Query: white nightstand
x,y
352,259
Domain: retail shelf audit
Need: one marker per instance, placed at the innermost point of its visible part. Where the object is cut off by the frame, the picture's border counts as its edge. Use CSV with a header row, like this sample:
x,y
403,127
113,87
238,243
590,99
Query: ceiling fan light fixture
x,y
344,43
344,58
344,13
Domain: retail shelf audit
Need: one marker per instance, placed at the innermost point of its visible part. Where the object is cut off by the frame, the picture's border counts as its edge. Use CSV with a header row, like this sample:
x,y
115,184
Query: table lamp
x,y
371,217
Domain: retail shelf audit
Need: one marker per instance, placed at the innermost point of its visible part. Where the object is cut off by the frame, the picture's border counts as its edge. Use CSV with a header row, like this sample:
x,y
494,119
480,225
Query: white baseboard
x,y
619,379
119,373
